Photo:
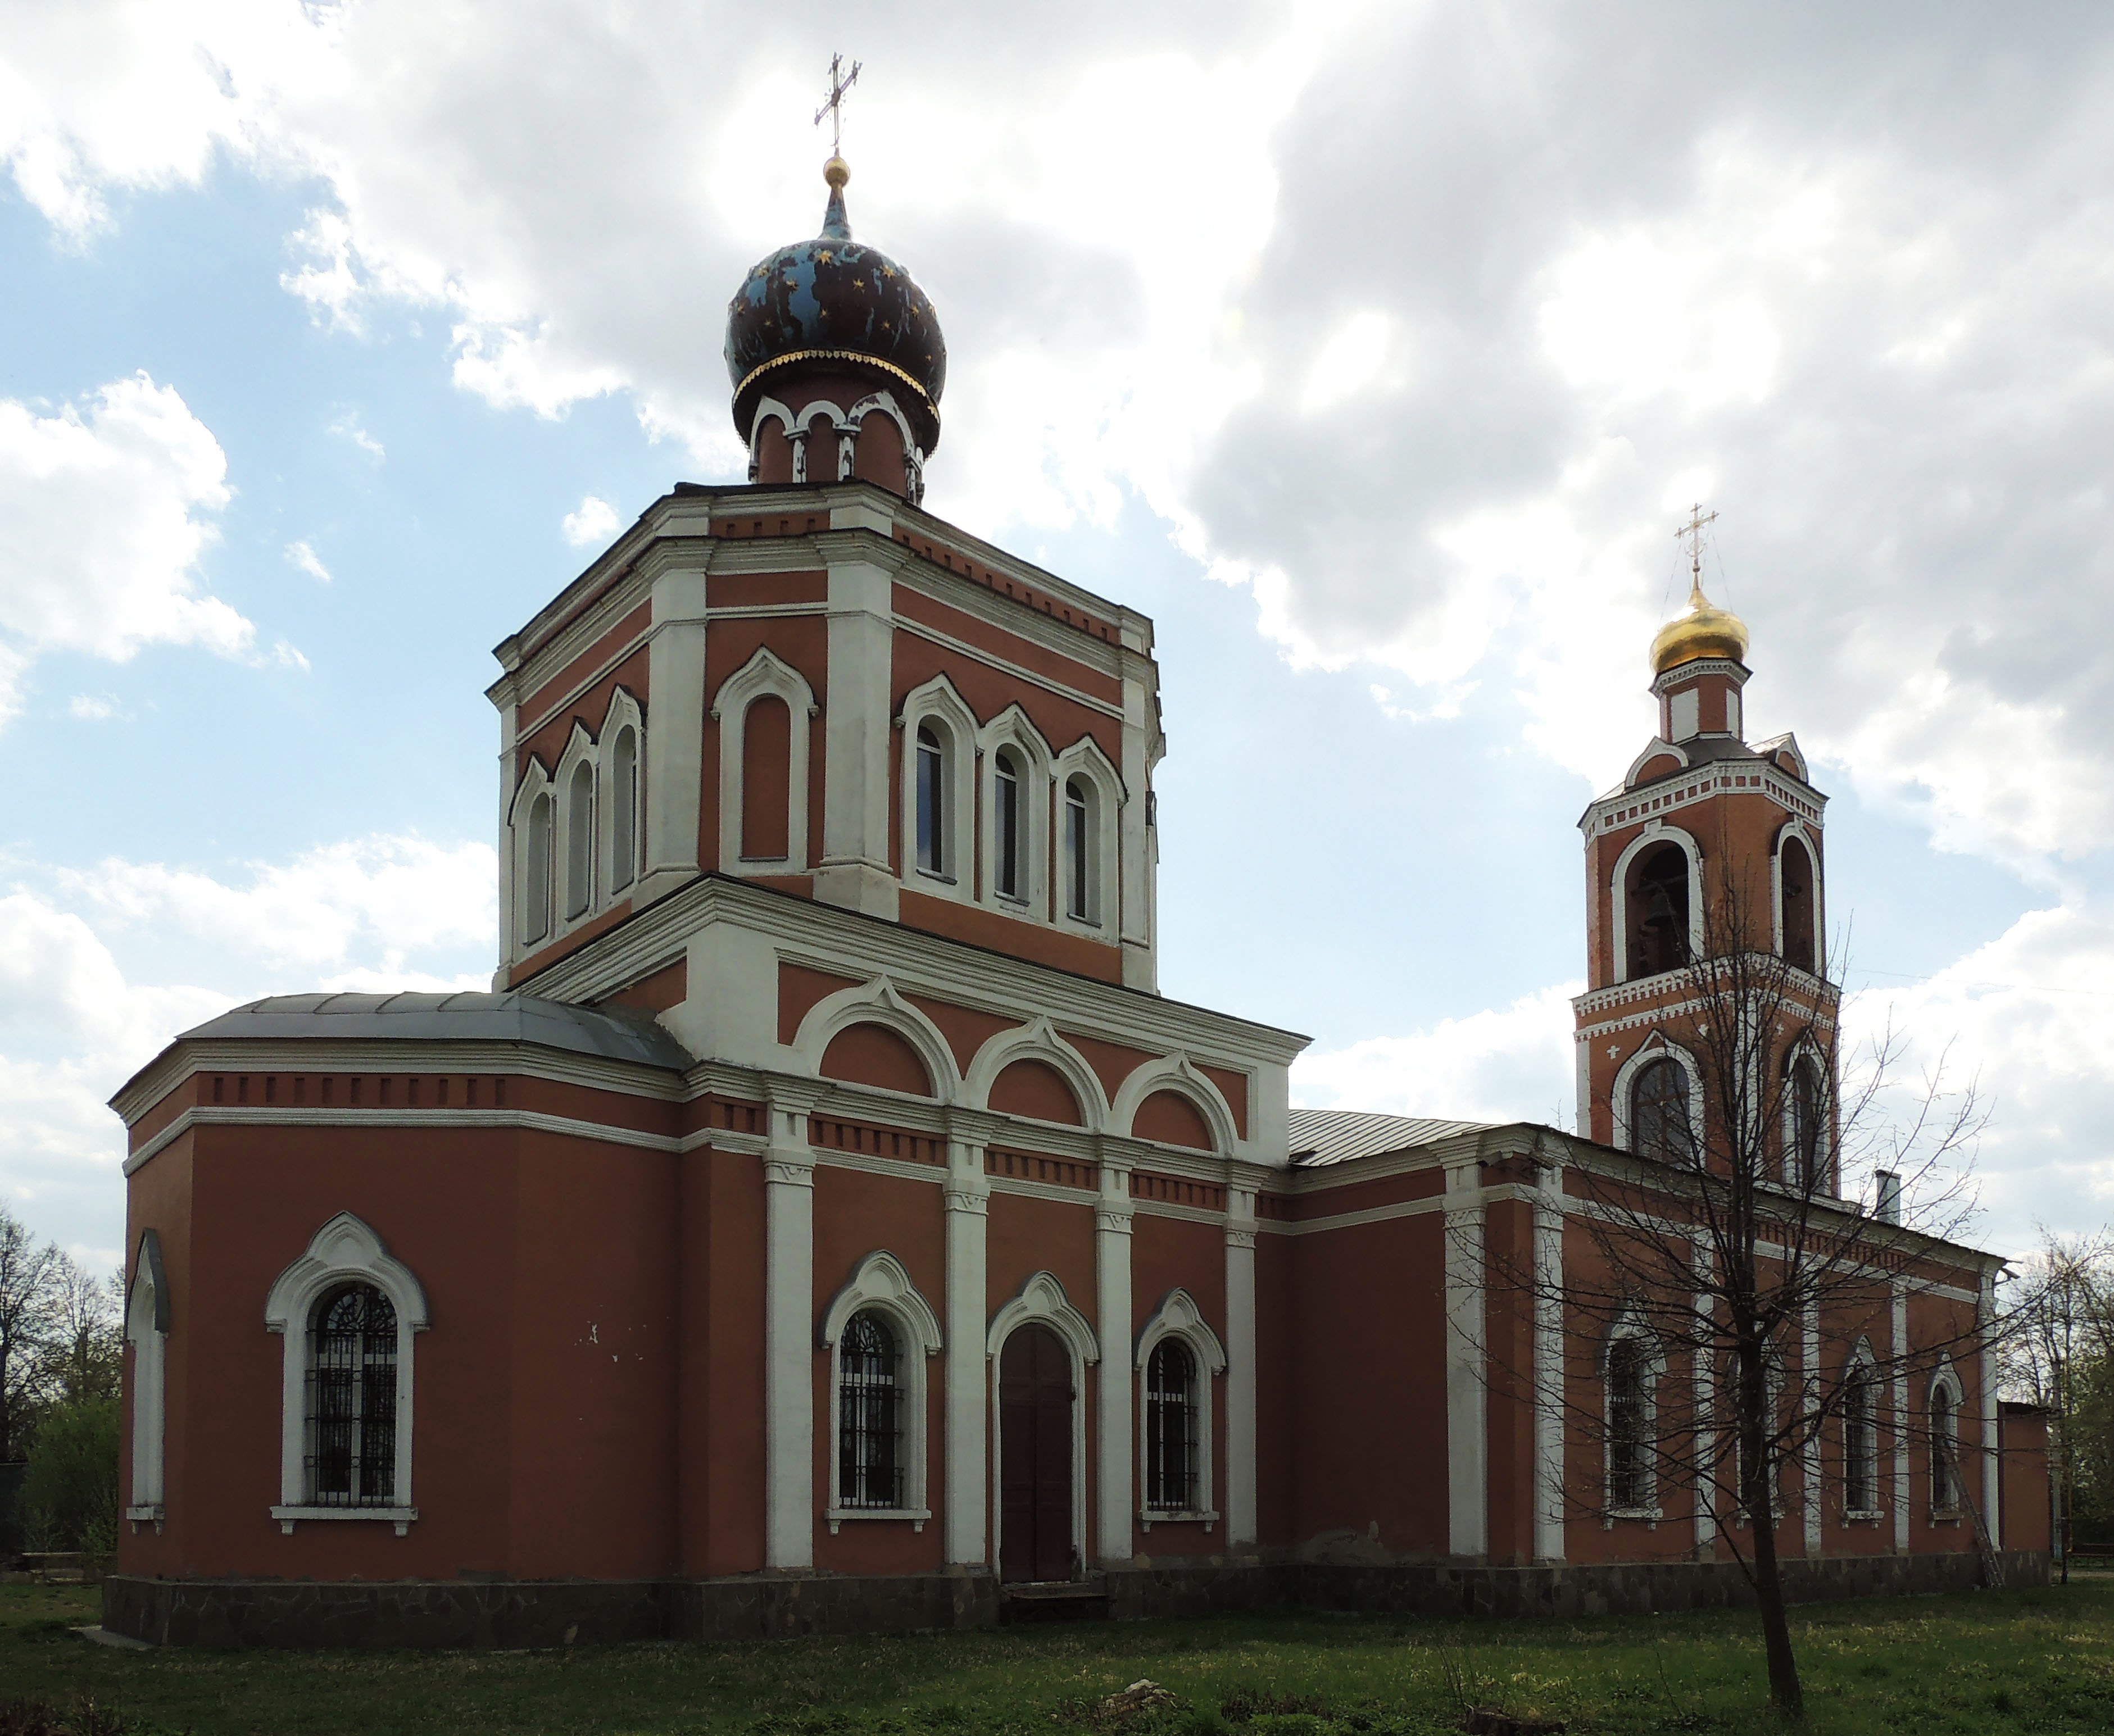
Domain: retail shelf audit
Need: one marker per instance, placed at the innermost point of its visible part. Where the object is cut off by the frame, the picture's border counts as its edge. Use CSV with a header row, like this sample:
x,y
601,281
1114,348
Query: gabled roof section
x,y
1323,1136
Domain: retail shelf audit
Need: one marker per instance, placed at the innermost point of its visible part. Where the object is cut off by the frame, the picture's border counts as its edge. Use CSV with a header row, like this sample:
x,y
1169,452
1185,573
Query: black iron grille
x,y
869,1416
352,1400
1170,1428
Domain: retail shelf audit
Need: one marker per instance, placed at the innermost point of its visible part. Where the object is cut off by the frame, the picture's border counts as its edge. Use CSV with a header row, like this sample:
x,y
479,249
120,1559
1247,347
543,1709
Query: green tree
x,y
70,1492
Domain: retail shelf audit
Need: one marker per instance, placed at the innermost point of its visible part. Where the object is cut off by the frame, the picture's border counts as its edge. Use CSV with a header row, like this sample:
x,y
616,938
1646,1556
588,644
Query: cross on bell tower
x,y
840,85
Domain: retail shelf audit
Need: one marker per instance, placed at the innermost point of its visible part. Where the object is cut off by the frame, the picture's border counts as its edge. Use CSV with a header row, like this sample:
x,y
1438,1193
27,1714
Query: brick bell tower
x,y
1709,844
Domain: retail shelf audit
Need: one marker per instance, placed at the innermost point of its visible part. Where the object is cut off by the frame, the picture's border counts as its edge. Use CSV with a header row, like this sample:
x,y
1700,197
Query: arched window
x,y
1008,822
1170,1428
1629,1424
1795,879
1861,1442
1079,850
352,1399
147,1330
1659,1112
579,841
1772,1396
1944,1449
869,1414
1658,913
536,871
766,779
932,816
1805,1124
624,811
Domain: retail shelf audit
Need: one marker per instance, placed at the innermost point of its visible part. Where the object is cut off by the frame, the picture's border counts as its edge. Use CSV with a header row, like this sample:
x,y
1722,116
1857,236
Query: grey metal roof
x,y
614,1033
1337,1135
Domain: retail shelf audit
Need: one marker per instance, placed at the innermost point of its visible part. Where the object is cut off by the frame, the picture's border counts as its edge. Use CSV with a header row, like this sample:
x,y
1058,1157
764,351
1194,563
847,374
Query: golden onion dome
x,y
1705,631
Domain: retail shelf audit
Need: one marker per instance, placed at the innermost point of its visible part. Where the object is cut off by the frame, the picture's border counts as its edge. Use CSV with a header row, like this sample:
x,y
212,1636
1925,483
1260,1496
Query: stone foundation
x,y
239,1613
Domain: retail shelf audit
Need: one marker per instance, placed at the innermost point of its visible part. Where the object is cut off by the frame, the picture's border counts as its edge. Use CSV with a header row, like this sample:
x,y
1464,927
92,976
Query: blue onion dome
x,y
836,305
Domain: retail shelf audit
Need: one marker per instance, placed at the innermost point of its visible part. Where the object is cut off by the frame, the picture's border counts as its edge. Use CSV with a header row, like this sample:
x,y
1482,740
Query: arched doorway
x,y
1035,1400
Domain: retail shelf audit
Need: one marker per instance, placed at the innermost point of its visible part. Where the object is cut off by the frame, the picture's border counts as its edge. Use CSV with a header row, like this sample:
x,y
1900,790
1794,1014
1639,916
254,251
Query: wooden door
x,y
1035,1400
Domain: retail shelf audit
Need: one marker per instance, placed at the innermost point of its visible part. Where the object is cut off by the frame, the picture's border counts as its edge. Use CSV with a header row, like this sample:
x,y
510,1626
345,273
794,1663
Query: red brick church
x,y
826,1222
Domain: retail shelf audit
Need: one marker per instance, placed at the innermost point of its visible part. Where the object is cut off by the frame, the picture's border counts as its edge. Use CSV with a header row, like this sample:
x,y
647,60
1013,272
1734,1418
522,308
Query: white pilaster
x,y
968,1201
673,788
1992,1484
1112,1223
509,942
1899,1350
1241,1524
858,742
1549,1367
1809,1457
1134,844
1467,1396
788,1355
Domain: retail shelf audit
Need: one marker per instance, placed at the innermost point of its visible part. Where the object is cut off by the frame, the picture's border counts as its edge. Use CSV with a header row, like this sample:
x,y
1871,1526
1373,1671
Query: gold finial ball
x,y
836,171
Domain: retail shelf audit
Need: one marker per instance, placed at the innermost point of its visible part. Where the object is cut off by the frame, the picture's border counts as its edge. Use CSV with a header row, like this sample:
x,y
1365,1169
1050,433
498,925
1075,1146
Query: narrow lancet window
x,y
931,796
1628,1470
624,801
352,1399
536,871
1078,851
869,1415
579,841
1660,1118
1170,1428
1006,816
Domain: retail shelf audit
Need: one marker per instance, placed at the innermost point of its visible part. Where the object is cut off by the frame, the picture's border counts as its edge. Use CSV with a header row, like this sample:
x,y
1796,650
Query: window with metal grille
x,y
1628,1470
1078,893
1170,1427
1808,1112
1860,1447
1659,1111
869,1414
352,1399
1006,818
1944,1447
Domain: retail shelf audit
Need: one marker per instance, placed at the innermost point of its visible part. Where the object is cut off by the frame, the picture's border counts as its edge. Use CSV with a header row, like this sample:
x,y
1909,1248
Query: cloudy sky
x,y
1374,351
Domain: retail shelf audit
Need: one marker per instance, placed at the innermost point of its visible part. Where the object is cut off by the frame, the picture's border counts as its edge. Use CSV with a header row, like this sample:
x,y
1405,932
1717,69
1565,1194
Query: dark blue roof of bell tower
x,y
835,300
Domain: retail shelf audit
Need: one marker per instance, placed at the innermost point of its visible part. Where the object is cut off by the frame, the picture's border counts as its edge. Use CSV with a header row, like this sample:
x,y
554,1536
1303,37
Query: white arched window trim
x,y
762,674
1659,1047
1798,829
881,1283
1658,749
877,1003
1085,761
533,883
1011,729
344,1250
1179,1074
1631,1327
936,703
575,888
618,803
1037,1040
1805,1049
1042,1298
1179,1317
147,1330
1655,833
1946,1380
1859,1373
1773,1386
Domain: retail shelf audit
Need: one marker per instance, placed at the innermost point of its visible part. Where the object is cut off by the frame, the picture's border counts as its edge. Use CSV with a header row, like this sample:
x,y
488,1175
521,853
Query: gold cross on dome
x,y
840,85
1693,531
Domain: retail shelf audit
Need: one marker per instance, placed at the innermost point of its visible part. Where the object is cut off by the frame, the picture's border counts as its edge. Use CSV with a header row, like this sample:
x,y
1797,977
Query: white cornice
x,y
222,1115
1708,781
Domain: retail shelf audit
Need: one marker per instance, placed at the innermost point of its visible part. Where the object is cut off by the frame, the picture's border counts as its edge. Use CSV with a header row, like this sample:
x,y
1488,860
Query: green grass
x,y
2033,1660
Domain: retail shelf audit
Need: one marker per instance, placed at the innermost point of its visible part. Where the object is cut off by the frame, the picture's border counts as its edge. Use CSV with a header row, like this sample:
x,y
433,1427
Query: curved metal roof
x,y
1337,1136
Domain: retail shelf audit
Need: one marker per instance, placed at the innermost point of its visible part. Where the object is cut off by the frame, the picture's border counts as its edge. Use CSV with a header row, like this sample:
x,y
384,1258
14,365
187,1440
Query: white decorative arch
x,y
147,1317
1655,833
1041,1301
766,409
1103,784
344,1250
1809,840
1176,1073
954,726
1805,1049
1036,1040
877,1003
1179,1317
763,674
881,1284
1012,729
532,861
621,774
1858,1387
800,429
1630,1326
1656,1047
1657,748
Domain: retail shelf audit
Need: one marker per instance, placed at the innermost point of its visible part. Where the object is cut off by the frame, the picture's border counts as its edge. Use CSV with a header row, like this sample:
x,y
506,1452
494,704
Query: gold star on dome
x,y
859,283
824,256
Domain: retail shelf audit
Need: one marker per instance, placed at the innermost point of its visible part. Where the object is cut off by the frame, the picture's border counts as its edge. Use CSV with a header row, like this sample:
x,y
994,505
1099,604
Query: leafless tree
x,y
1730,1289
2061,1311
81,1348
26,1284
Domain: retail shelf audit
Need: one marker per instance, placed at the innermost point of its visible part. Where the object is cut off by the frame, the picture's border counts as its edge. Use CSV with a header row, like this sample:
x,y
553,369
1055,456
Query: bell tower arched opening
x,y
1657,907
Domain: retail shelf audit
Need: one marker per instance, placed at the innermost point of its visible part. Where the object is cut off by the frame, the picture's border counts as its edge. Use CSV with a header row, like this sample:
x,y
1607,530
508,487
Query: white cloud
x,y
100,967
595,523
92,708
303,556
350,427
1513,1063
106,507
